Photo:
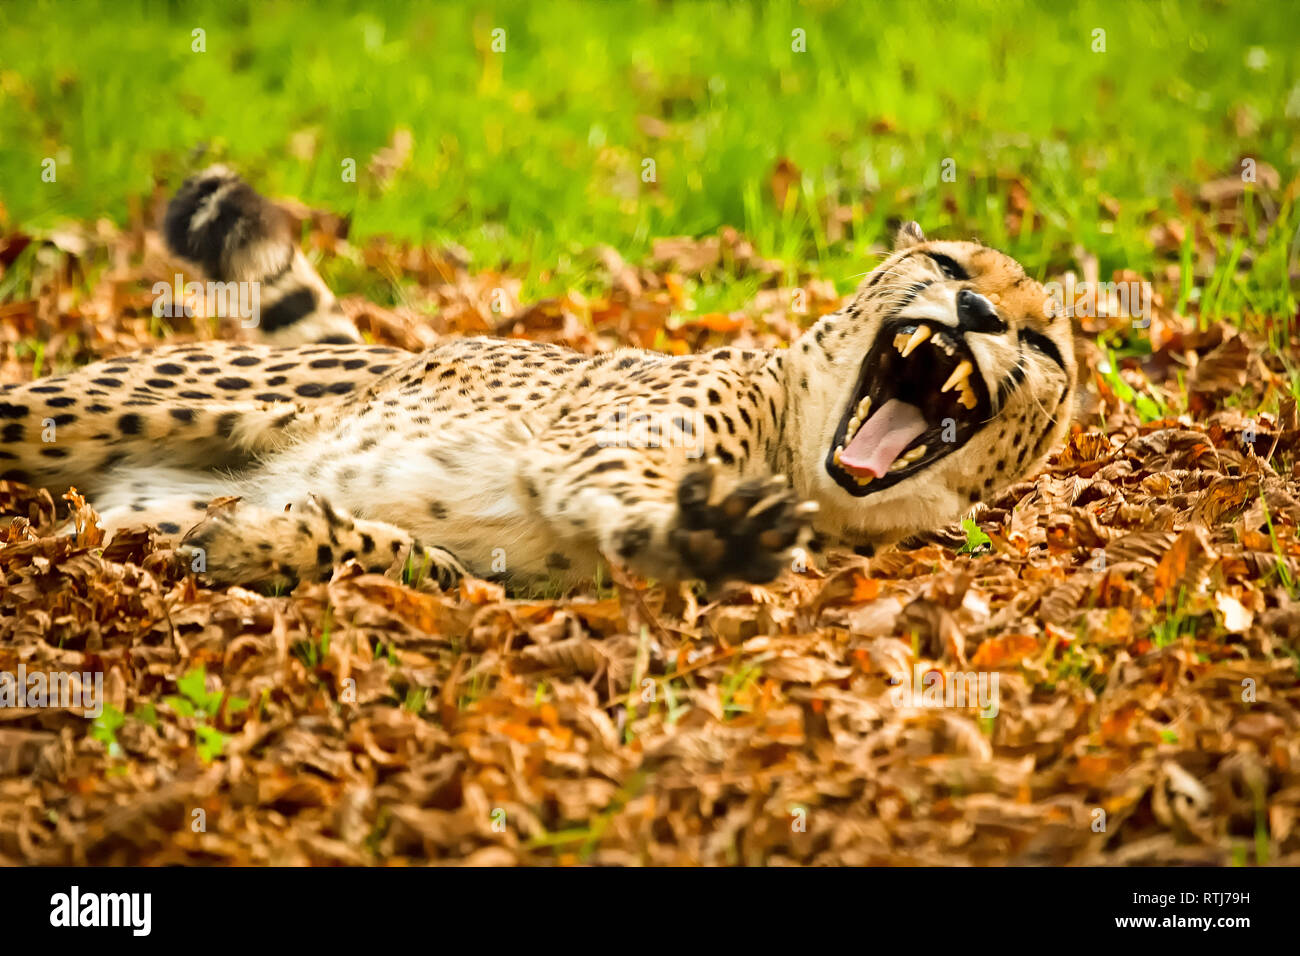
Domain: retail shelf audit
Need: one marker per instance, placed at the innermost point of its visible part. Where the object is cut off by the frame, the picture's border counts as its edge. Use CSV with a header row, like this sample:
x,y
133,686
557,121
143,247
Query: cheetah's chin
x,y
918,398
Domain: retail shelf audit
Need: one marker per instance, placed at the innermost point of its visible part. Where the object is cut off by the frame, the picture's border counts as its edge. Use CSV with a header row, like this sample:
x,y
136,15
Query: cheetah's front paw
x,y
746,534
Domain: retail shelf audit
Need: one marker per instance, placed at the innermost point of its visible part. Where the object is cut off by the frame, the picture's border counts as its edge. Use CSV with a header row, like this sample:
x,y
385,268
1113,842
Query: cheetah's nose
x,y
976,313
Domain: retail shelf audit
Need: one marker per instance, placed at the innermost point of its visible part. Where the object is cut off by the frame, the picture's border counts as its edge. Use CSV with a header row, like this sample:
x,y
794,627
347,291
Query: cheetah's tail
x,y
230,233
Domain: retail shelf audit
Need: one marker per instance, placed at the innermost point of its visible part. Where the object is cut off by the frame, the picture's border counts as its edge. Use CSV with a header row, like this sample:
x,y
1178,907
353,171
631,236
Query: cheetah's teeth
x,y
967,396
960,374
859,416
863,480
920,335
900,342
908,458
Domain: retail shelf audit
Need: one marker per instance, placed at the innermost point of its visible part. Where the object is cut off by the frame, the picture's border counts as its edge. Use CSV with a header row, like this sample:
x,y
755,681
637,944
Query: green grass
x,y
528,156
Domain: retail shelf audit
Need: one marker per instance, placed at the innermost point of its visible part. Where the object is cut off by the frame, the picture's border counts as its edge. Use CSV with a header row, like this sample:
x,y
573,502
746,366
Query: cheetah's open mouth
x,y
919,396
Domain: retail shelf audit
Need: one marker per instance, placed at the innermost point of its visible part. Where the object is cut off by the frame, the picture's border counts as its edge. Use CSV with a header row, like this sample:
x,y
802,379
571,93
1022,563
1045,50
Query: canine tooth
x,y
900,341
959,374
919,336
863,479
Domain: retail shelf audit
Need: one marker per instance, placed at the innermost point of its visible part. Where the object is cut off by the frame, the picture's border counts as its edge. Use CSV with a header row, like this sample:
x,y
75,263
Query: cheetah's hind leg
x,y
241,543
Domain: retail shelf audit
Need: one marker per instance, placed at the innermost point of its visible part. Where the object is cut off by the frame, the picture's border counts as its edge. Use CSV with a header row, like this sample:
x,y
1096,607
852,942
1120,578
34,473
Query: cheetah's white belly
x,y
457,487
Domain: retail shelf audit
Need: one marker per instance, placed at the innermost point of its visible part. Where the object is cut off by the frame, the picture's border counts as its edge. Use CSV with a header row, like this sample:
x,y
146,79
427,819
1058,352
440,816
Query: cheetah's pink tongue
x,y
883,437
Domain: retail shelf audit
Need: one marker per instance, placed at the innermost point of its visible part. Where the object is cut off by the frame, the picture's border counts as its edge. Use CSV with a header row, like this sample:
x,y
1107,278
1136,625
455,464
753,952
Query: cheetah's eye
x,y
949,267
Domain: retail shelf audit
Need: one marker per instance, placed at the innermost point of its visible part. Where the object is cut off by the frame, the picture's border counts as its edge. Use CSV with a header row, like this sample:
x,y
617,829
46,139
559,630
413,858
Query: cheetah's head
x,y
948,377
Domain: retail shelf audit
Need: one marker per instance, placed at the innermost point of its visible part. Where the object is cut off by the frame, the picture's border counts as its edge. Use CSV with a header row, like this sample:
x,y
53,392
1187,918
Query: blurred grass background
x,y
531,154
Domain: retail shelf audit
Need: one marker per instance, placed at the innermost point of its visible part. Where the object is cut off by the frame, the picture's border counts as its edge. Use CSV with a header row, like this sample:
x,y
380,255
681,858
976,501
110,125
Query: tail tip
x,y
225,227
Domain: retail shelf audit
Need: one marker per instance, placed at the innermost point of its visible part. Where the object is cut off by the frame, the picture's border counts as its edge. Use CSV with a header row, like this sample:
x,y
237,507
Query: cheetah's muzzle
x,y
918,398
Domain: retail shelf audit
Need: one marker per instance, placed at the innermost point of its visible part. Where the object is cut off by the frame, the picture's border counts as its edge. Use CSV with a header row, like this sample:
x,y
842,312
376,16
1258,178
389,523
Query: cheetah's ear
x,y
909,234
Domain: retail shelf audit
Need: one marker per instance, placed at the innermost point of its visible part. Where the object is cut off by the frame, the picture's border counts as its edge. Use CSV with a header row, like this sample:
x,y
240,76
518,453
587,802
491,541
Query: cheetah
x,y
946,377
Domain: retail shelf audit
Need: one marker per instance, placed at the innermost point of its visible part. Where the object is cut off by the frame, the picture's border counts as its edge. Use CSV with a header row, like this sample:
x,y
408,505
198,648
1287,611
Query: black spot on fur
x,y
632,542
289,310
